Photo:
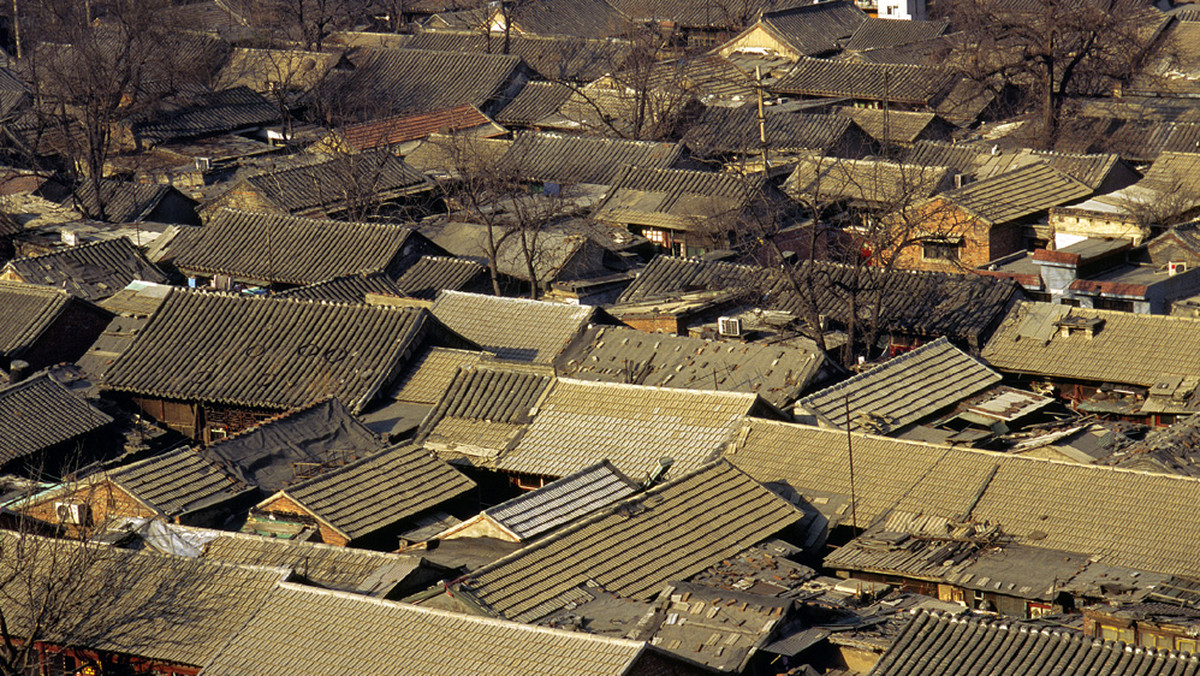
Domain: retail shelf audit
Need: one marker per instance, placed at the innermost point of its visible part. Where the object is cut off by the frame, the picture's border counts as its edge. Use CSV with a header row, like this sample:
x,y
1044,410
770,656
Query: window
x,y
1111,633
941,249
1186,645
1101,303
1148,640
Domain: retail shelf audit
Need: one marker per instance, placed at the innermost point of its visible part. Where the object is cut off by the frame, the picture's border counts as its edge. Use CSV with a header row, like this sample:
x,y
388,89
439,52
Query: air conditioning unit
x,y
72,513
1176,267
203,163
729,326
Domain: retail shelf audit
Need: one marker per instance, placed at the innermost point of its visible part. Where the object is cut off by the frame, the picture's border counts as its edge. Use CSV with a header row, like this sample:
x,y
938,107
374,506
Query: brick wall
x,y
284,504
106,501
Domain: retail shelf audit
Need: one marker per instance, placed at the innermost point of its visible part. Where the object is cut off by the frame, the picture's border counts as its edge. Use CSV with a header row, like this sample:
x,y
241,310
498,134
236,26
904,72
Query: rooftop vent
x,y
1089,326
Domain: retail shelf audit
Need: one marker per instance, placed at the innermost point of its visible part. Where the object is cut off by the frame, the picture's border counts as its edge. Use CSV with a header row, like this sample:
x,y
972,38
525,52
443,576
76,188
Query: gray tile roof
x,y
334,184
561,158
285,449
632,548
902,390
582,422
29,310
513,328
876,33
946,645
432,371
536,101
379,491
1019,193
576,18
346,568
148,605
213,347
1089,169
884,184
90,271
680,199
914,85
816,28
485,407
778,373
423,80
896,126
208,114
347,289
178,482
559,502
1128,348
124,202
38,413
433,644
962,307
554,58
1149,514
722,130
432,274
283,249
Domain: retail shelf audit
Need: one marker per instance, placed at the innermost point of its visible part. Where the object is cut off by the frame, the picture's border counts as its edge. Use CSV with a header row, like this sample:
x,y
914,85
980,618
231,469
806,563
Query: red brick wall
x,y
107,502
286,505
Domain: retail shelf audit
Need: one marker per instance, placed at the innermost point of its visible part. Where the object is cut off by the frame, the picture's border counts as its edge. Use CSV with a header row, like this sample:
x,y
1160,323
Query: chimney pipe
x,y
17,370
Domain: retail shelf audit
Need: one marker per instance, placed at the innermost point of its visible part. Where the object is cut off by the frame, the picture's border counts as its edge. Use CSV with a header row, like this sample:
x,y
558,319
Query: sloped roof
x,y
484,409
1128,348
424,80
1150,512
263,70
38,413
153,606
872,182
816,28
207,114
1175,171
681,199
379,491
411,127
347,289
535,101
903,390
891,126
347,568
1090,169
559,502
267,352
554,58
276,452
576,18
432,274
917,85
512,328
1019,193
330,184
124,202
89,271
178,481
433,642
961,307
964,158
556,249
278,248
778,373
735,130
946,645
876,33
561,158
671,532
432,372
29,310
582,422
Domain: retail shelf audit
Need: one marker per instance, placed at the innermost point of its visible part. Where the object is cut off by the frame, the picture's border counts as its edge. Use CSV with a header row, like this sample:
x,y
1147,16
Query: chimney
x,y
17,370
656,475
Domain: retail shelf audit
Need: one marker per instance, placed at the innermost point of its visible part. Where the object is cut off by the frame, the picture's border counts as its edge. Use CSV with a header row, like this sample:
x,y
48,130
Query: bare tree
x,y
89,78
311,22
490,188
1052,49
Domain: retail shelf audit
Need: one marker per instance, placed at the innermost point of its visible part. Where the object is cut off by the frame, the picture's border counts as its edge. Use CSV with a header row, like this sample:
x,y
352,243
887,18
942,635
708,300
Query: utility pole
x,y
850,455
762,120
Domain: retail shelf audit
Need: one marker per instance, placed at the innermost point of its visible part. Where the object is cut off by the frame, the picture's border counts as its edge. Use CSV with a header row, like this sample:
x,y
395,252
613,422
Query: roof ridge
x,y
69,249
682,391
461,617
753,422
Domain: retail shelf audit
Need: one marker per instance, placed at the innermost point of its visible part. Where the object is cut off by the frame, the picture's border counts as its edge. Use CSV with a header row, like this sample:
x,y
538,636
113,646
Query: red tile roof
x,y
402,128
